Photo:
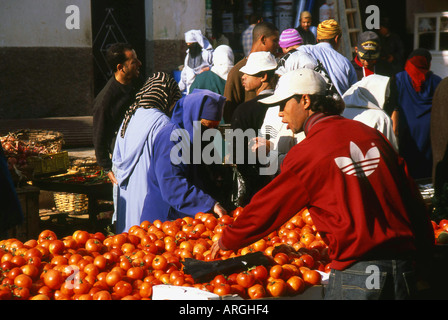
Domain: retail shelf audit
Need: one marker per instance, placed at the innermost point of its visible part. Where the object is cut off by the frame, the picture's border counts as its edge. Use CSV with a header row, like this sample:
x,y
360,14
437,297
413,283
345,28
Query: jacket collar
x,y
314,119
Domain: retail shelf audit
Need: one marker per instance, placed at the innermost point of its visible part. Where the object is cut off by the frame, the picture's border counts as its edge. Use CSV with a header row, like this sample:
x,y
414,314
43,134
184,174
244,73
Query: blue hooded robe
x,y
133,147
175,188
414,123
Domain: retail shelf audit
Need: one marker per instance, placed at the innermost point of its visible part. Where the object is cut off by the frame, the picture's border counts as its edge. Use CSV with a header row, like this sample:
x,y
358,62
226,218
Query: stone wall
x,y
165,55
38,82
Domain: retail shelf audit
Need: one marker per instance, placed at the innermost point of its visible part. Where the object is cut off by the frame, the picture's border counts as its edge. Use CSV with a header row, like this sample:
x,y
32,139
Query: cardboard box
x,y
169,292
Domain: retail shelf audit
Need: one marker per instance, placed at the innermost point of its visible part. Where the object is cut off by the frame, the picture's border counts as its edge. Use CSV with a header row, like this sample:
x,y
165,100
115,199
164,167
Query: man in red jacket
x,y
357,189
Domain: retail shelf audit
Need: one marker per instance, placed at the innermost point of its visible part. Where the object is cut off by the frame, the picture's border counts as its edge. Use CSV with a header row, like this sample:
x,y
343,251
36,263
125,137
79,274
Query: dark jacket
x,y
109,109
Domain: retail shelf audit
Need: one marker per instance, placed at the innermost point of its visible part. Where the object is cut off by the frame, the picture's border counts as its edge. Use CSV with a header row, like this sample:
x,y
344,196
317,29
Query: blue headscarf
x,y
200,104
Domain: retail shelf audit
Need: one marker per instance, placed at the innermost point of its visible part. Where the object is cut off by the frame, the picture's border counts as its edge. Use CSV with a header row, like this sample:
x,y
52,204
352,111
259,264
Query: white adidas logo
x,y
359,165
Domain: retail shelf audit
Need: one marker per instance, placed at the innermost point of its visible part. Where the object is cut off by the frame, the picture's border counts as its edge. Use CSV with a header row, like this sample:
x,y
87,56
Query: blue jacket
x,y
174,187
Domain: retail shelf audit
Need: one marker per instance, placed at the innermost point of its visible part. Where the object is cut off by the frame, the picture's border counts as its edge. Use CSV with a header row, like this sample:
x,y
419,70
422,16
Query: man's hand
x,y
214,249
112,178
219,210
259,142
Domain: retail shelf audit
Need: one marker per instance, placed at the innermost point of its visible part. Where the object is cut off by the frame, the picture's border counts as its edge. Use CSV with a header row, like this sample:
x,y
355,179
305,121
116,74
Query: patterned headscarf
x,y
160,91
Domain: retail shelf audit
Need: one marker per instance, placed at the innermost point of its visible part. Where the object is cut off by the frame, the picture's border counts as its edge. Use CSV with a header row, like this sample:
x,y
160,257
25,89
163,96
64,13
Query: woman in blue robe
x,y
176,188
133,148
416,87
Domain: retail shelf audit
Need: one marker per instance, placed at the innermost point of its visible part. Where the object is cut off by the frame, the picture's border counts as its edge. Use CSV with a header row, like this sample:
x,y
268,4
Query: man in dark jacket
x,y
111,104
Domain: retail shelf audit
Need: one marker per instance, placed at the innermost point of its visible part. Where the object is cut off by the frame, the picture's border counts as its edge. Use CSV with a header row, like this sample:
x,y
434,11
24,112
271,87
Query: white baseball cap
x,y
297,82
258,62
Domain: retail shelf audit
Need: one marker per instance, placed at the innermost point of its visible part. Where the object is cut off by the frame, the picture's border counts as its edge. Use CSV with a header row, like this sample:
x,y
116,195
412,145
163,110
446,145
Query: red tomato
x,y
221,289
113,277
53,279
30,270
276,288
257,291
56,246
219,279
122,288
308,260
81,286
102,295
81,237
281,258
21,293
135,273
93,245
260,273
146,290
312,277
23,280
18,261
159,262
295,285
245,279
46,235
276,271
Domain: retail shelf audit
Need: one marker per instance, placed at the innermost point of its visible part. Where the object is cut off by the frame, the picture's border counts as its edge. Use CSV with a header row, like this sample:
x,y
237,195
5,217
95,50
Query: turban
x,y
328,29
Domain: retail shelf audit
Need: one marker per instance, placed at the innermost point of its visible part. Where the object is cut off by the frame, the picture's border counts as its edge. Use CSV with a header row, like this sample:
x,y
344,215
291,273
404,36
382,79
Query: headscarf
x,y
417,67
197,36
328,29
223,61
370,92
200,104
160,91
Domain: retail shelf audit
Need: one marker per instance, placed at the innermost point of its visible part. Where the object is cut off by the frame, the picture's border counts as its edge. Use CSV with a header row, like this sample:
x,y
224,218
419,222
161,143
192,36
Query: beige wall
x,y
167,21
170,19
47,68
42,23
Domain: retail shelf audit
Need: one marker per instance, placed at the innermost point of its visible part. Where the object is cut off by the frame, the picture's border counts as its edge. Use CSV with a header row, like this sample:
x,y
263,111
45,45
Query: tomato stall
x,y
149,262
170,259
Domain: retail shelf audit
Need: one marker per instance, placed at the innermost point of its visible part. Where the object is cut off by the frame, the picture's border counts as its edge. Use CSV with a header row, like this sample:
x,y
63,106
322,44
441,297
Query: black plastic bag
x,y
204,271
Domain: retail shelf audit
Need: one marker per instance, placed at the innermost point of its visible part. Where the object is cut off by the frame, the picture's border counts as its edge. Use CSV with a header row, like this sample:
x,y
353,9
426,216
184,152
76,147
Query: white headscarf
x,y
196,36
297,60
223,61
370,92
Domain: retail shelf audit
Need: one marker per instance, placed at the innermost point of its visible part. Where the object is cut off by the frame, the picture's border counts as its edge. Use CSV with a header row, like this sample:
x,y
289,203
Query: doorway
x,y
116,21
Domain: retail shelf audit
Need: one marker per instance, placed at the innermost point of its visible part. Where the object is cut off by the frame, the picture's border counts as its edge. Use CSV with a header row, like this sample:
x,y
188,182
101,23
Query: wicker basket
x,y
51,140
74,203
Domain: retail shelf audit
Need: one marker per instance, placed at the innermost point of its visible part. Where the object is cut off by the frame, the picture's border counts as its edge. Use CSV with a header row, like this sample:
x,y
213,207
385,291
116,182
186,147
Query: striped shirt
x,y
247,38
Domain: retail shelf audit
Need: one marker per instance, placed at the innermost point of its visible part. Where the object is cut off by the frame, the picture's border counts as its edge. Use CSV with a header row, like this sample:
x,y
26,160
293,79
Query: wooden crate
x,y
29,200
49,163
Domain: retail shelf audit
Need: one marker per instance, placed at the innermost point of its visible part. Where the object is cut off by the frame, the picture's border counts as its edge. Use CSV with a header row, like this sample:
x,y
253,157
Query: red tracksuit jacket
x,y
356,187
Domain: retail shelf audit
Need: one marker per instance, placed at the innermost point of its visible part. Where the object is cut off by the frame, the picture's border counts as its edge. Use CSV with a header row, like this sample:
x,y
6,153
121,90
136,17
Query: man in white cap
x,y
199,58
361,199
259,77
265,38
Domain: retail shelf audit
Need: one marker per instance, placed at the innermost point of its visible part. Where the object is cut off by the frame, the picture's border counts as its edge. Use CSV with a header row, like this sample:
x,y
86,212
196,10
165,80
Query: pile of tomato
x,y
126,266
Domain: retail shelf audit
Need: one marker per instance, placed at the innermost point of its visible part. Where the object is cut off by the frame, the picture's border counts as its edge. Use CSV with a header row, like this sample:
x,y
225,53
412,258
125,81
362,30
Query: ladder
x,y
349,18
